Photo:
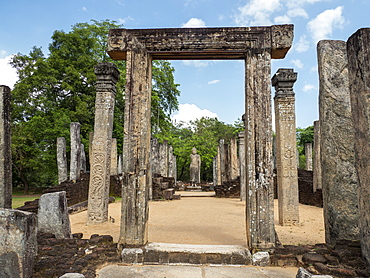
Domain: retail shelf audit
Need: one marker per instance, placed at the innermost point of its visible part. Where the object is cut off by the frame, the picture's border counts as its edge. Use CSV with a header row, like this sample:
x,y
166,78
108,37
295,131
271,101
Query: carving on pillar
x,y
100,156
286,162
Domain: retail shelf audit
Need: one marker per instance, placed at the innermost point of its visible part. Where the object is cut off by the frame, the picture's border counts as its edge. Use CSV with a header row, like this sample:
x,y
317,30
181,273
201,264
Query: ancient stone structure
x,y
286,163
74,173
221,161
308,154
243,191
114,163
5,150
62,160
18,244
53,215
119,164
163,158
234,162
83,159
195,163
339,179
154,156
107,77
317,175
359,76
256,46
172,166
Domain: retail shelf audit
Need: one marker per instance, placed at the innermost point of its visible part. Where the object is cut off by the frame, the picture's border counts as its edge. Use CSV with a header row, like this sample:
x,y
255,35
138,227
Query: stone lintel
x,y
201,43
283,81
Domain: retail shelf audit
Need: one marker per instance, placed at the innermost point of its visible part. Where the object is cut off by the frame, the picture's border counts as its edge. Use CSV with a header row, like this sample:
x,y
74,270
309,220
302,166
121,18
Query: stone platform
x,y
168,253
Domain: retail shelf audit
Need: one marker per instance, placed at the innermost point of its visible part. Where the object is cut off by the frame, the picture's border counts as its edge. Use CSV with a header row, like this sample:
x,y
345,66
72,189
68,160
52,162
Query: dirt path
x,y
206,220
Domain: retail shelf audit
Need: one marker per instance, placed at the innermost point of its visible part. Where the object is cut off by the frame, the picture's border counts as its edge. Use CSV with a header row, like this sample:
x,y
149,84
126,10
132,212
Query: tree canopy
x,y
59,88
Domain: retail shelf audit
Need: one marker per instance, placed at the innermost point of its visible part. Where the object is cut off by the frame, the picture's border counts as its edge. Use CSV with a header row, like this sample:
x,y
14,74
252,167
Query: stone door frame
x,y
256,46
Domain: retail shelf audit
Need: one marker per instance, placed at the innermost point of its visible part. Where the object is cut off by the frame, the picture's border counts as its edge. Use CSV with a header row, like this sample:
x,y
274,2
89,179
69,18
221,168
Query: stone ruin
x,y
344,112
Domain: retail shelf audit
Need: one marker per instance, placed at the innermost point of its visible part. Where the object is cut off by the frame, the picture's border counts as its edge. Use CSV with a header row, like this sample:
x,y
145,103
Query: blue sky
x,y
209,88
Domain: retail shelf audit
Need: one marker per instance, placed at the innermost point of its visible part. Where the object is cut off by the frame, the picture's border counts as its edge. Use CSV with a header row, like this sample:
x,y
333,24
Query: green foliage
x,y
304,135
203,134
56,90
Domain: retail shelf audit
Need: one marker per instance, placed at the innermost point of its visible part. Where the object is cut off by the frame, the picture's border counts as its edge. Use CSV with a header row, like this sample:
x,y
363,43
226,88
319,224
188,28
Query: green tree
x,y
304,135
55,90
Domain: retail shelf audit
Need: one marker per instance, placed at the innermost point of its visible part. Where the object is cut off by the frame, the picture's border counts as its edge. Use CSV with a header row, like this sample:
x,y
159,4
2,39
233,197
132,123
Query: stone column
x,y
234,159
163,159
243,191
119,168
154,156
107,76
339,179
5,149
286,162
53,215
258,136
359,76
83,159
136,149
227,163
113,165
317,157
308,154
220,162
74,172
18,244
62,160
171,163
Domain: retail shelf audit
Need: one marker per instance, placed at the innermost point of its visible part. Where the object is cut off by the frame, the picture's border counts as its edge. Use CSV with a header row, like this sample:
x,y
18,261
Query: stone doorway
x,y
256,46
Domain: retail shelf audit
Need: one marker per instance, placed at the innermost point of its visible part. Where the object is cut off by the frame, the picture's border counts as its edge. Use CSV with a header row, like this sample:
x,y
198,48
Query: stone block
x,y
132,256
18,243
303,273
261,259
72,275
53,215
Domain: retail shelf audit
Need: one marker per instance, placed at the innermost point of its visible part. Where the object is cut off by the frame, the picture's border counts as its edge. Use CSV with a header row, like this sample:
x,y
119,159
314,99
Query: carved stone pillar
x,y
286,162
5,149
308,154
75,164
243,191
234,170
359,76
114,166
62,160
136,149
258,135
317,184
339,178
107,77
163,159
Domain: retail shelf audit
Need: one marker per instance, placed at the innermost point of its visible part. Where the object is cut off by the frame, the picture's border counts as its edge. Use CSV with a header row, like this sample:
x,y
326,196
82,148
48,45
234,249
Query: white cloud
x,y
2,53
124,20
8,74
303,44
213,82
256,12
314,69
296,12
193,23
297,63
196,63
308,87
190,112
321,27
84,9
284,19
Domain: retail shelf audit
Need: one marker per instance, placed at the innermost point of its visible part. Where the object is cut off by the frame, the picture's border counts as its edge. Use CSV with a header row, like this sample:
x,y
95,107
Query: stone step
x,y
168,253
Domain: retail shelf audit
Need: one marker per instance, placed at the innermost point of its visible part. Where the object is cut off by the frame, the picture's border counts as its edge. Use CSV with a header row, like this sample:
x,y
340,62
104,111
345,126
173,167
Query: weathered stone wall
x,y
5,150
359,76
18,245
339,179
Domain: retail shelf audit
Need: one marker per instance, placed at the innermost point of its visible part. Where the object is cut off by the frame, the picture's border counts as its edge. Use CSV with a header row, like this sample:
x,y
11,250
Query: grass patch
x,y
18,201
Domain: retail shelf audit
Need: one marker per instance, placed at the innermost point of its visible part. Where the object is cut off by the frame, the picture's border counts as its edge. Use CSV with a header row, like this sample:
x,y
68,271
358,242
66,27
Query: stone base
x,y
193,188
167,253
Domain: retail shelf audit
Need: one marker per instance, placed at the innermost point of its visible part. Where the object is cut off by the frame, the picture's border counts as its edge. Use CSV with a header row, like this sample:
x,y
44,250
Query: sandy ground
x,y
206,220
